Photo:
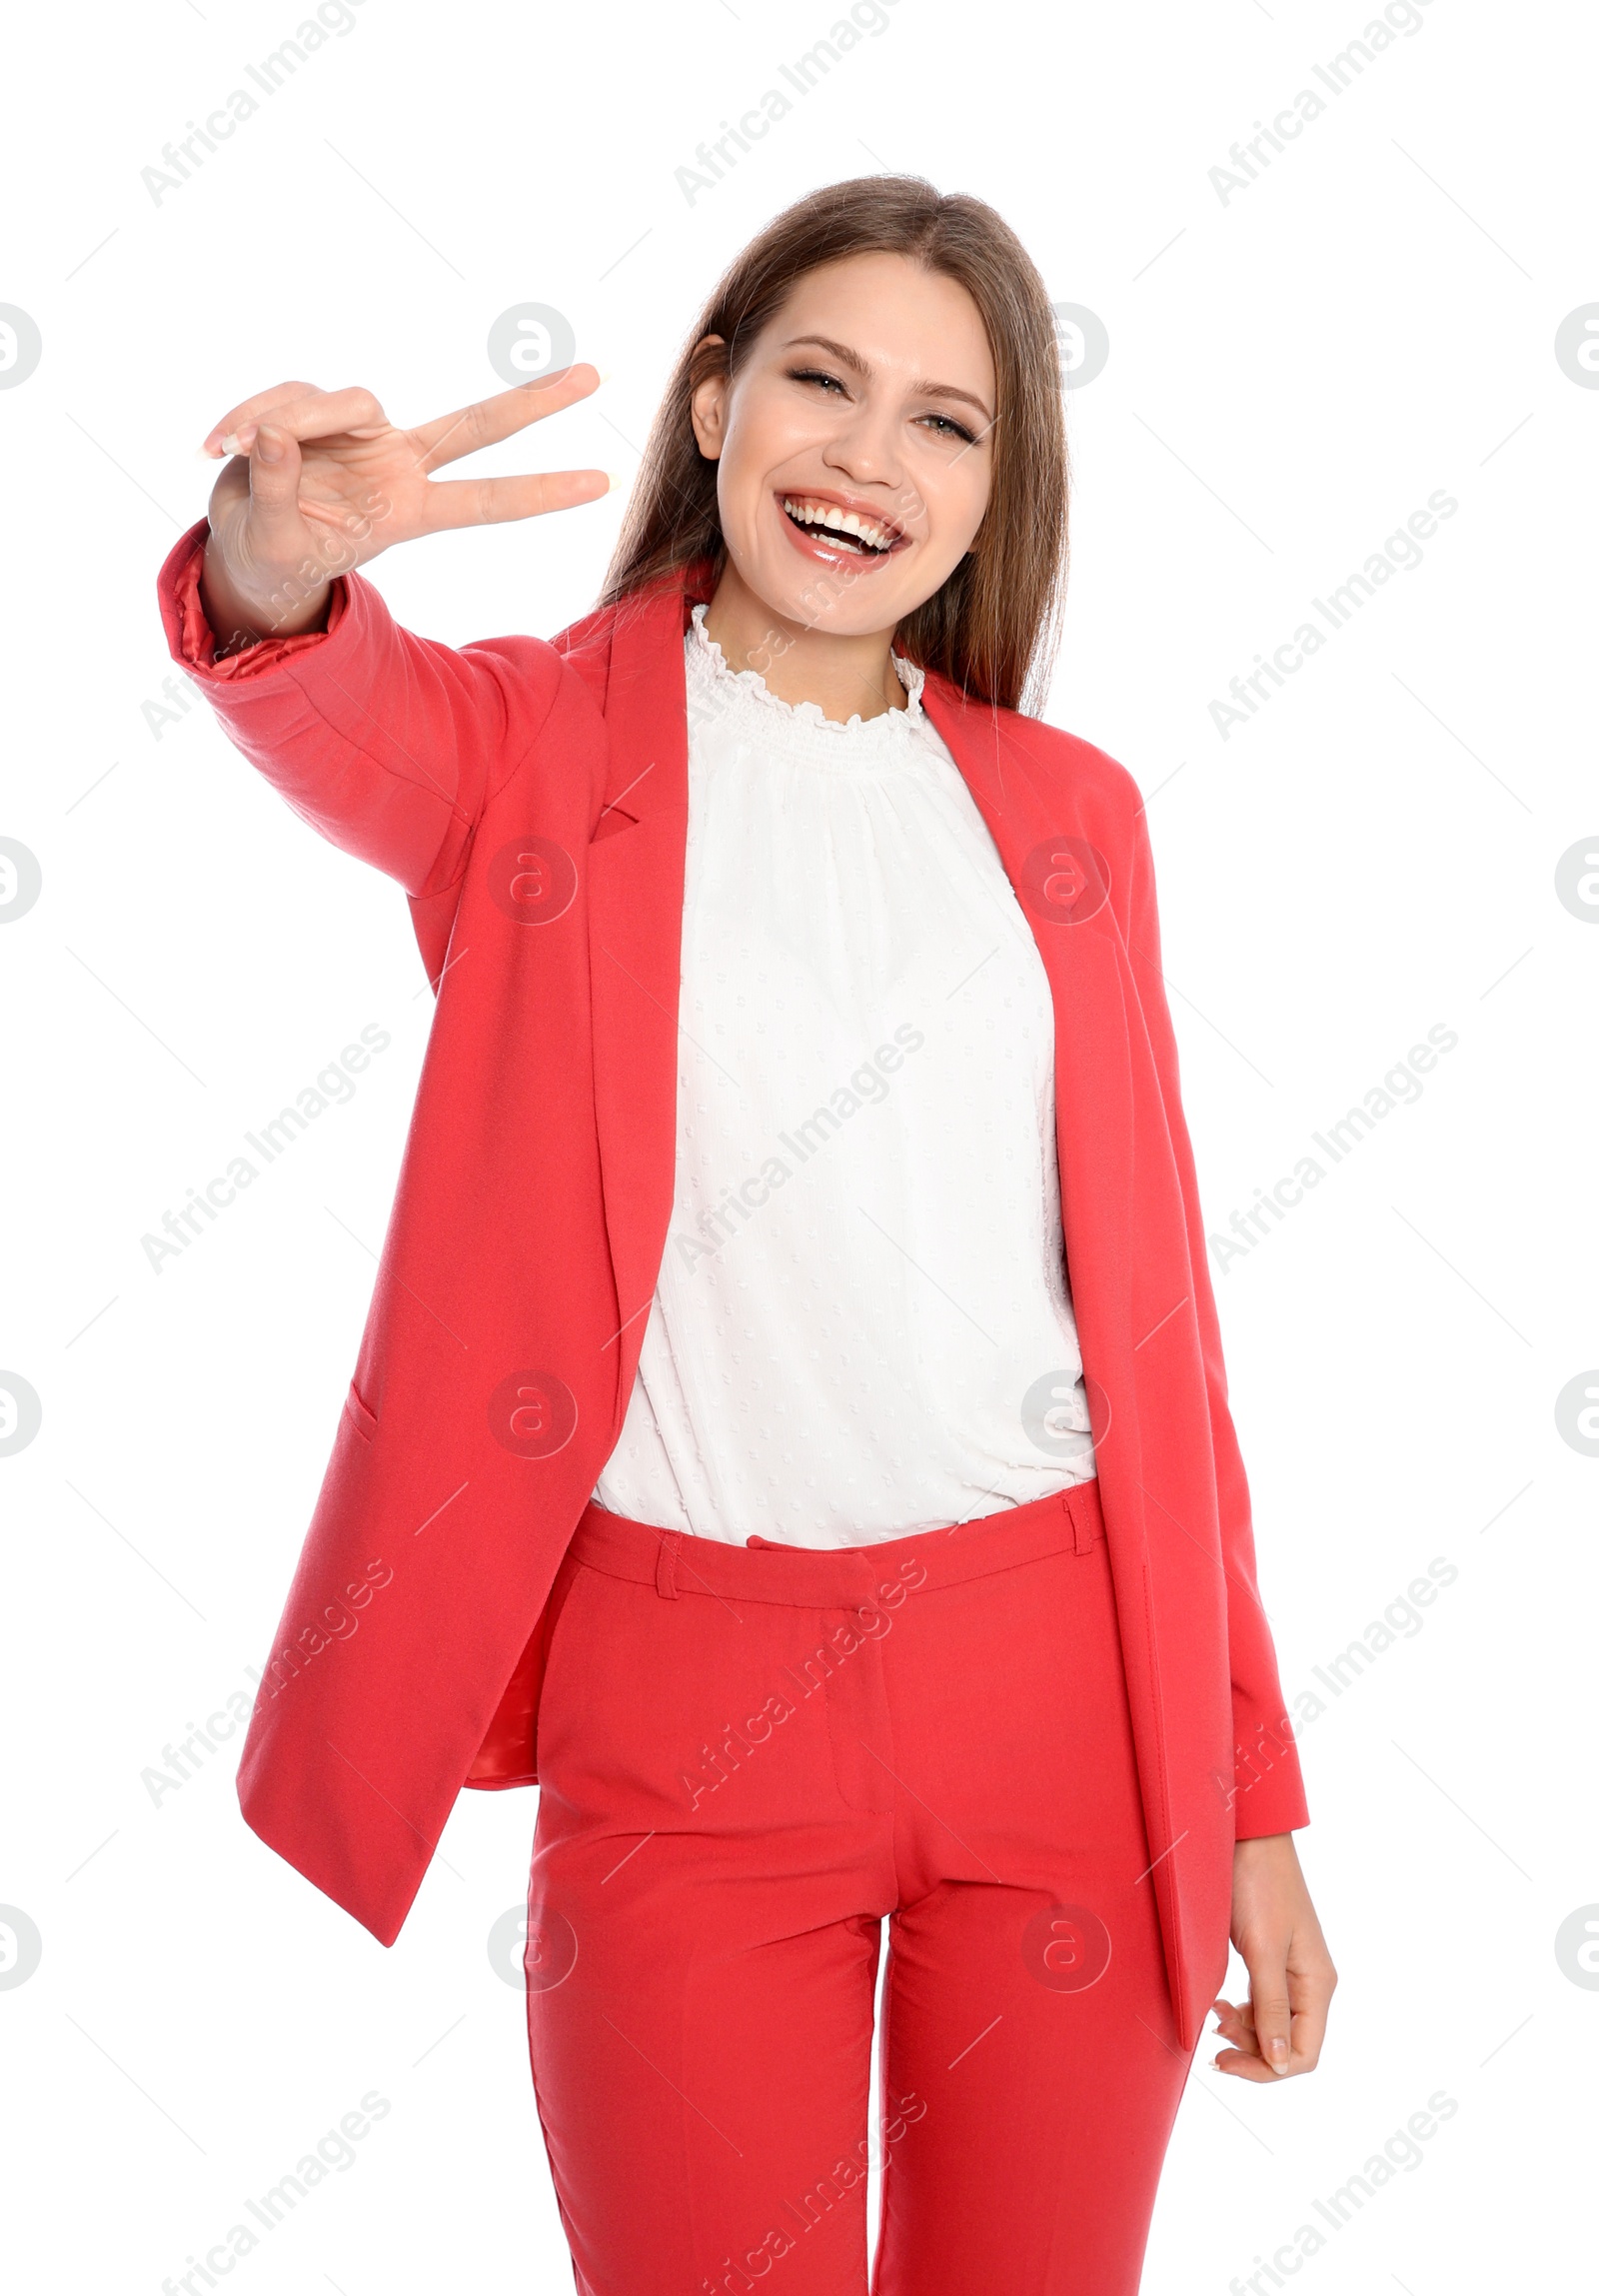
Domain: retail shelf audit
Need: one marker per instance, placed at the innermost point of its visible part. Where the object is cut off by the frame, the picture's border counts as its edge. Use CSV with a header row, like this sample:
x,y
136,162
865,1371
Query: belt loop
x,y
1082,1526
667,1564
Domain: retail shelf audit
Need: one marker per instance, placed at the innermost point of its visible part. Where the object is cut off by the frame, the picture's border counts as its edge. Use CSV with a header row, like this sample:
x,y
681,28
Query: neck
x,y
845,676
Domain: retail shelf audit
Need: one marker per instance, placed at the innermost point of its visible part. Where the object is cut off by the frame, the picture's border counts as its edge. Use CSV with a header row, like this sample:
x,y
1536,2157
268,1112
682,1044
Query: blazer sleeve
x,y
389,743
1269,1791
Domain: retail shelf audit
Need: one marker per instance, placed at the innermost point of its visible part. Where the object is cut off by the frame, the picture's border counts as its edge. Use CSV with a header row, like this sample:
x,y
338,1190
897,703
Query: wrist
x,y
239,621
1263,1848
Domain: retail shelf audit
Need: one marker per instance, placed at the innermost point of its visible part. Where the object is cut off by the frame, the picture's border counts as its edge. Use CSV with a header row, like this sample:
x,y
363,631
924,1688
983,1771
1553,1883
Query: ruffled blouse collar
x,y
716,687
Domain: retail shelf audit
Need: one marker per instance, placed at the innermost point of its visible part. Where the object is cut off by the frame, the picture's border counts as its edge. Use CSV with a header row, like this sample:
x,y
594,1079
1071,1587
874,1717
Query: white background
x,y
1291,372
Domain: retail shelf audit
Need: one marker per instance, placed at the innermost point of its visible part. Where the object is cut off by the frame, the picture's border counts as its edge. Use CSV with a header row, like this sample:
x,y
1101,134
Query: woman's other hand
x,y
1279,2029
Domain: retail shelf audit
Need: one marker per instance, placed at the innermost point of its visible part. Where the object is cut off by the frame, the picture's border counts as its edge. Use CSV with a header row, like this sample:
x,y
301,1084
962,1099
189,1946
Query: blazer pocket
x,y
611,822
364,1421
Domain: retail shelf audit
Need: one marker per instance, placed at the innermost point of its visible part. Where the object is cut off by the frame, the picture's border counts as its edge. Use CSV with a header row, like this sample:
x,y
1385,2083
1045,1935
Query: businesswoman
x,y
790,1423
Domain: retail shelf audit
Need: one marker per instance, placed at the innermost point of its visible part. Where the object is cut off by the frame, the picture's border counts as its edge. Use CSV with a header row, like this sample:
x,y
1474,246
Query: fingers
x,y
303,413
1243,2056
489,502
448,437
248,409
1234,2027
309,413
324,415
1280,2029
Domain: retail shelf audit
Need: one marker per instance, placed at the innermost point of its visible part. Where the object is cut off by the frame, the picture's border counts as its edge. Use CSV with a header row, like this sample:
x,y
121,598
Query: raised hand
x,y
318,482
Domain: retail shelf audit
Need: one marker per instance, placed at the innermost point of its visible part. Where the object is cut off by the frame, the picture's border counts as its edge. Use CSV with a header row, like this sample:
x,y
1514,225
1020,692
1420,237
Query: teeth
x,y
808,513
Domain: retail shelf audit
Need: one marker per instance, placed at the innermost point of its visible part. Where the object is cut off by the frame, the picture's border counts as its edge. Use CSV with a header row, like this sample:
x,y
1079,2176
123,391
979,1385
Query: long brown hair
x,y
992,624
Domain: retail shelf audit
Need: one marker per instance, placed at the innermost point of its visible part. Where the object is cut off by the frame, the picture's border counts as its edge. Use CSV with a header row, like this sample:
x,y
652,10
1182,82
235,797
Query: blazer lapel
x,y
1062,881
635,881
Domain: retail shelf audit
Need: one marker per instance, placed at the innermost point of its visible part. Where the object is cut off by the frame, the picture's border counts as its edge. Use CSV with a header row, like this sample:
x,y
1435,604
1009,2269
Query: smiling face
x,y
854,445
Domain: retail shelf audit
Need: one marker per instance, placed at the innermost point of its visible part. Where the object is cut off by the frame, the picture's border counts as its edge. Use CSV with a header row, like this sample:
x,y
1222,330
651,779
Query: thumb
x,y
274,497
1268,1995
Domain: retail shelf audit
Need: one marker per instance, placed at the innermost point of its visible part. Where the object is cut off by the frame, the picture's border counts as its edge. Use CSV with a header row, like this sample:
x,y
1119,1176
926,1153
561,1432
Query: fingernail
x,y
614,479
604,372
269,446
227,444
1277,2053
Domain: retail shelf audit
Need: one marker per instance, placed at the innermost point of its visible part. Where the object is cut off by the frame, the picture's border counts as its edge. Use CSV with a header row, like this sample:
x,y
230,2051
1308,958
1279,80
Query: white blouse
x,y
863,1325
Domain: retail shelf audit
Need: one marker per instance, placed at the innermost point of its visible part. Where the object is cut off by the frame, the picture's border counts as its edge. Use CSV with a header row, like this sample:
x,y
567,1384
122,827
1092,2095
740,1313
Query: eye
x,y
944,426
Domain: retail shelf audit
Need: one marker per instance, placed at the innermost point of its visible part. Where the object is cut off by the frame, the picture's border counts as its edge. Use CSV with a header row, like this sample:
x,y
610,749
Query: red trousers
x,y
749,1757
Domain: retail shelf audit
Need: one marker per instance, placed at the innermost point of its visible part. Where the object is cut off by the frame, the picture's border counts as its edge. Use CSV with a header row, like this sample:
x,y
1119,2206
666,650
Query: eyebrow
x,y
854,360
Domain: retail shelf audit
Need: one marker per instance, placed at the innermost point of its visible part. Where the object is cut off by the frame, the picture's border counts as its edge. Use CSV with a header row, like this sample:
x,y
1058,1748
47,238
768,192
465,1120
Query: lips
x,y
838,530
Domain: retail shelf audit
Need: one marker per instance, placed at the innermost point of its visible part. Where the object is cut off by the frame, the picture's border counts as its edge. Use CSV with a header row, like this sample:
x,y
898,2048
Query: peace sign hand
x,y
319,482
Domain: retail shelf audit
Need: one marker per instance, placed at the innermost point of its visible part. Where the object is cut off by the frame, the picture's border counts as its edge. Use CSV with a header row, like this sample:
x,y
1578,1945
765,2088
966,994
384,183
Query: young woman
x,y
727,1450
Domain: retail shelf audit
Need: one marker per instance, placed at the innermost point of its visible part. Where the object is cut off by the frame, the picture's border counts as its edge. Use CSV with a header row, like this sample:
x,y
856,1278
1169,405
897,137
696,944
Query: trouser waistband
x,y
675,1563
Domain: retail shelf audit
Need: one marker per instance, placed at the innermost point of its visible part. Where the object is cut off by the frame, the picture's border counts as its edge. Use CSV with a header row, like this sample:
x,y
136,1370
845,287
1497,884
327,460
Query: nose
x,y
866,451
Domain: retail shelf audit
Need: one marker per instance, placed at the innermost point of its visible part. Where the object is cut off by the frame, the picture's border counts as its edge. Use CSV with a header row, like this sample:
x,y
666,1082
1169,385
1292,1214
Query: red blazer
x,y
531,800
